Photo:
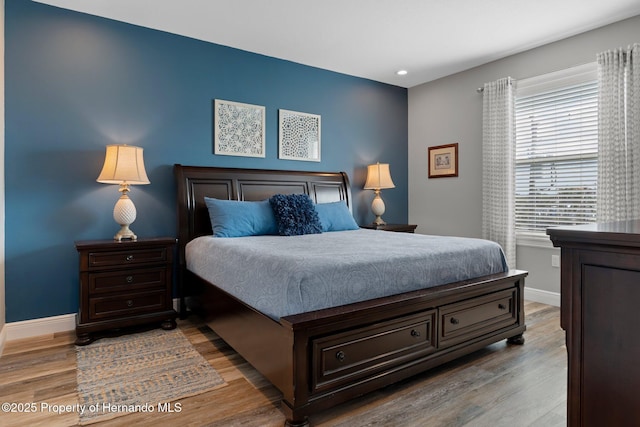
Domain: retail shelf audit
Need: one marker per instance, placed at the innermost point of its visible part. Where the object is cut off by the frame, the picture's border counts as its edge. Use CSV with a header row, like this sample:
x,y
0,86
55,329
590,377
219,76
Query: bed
x,y
317,347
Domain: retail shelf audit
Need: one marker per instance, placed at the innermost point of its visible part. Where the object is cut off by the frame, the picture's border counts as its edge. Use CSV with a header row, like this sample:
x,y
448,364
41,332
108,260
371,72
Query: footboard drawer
x,y
476,317
347,356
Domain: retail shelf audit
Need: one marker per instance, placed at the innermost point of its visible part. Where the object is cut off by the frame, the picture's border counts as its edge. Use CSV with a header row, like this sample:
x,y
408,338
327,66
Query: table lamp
x,y
378,178
124,165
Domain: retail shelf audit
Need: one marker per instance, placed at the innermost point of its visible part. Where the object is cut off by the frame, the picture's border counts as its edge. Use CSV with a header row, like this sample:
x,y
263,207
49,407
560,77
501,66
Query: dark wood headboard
x,y
196,182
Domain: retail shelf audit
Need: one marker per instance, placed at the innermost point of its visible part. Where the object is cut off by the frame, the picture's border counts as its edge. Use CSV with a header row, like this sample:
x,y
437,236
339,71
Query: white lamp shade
x,y
378,177
123,164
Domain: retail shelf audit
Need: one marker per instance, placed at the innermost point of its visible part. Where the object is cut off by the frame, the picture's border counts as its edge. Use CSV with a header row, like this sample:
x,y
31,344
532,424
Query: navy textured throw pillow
x,y
295,214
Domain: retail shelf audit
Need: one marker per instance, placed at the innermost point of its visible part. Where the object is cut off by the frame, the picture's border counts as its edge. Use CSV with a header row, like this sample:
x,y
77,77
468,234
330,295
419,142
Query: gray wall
x,y
449,110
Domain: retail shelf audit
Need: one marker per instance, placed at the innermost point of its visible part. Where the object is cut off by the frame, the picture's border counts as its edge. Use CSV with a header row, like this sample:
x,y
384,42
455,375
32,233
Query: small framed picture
x,y
238,129
299,136
443,161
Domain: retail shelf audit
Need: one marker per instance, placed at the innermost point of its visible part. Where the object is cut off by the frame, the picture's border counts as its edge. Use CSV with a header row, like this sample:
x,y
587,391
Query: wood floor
x,y
501,385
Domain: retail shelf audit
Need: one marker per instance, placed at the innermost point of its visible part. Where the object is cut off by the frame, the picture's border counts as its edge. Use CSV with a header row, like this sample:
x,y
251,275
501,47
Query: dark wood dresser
x,y
600,313
124,284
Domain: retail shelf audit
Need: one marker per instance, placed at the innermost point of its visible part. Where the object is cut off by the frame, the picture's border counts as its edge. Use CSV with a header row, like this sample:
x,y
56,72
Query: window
x,y
556,149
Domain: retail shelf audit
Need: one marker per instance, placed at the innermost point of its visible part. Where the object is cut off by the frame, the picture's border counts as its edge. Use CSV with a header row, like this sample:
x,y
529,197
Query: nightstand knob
x,y
129,258
129,279
502,306
129,303
341,356
454,321
415,333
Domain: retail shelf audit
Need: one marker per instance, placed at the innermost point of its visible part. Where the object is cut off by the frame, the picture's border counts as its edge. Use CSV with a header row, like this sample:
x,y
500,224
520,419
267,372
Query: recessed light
x,y
402,72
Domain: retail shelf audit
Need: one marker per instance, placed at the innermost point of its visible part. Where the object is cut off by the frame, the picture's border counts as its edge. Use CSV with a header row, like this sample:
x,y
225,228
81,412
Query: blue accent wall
x,y
75,83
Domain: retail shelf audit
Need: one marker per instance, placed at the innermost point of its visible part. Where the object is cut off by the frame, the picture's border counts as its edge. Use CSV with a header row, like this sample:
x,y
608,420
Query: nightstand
x,y
124,284
403,228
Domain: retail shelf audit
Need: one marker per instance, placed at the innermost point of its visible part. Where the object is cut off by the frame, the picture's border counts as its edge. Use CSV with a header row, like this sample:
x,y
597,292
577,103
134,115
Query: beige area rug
x,y
141,372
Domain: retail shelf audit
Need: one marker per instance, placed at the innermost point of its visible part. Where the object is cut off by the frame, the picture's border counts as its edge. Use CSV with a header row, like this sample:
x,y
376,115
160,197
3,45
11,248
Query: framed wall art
x,y
443,161
238,129
299,136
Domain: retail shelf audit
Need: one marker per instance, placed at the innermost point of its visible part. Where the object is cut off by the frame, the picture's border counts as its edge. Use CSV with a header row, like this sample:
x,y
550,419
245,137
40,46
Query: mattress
x,y
285,275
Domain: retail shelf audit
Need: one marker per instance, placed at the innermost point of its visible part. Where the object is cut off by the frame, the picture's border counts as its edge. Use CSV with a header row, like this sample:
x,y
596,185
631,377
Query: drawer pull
x,y
129,279
415,333
502,306
129,258
341,356
129,303
454,321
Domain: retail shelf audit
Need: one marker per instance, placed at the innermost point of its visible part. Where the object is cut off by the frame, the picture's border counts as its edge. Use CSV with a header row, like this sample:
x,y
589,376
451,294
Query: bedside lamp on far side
x,y
124,165
378,178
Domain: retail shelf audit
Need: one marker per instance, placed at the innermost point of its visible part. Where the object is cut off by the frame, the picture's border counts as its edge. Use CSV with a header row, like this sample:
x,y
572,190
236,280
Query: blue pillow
x,y
295,214
232,218
335,217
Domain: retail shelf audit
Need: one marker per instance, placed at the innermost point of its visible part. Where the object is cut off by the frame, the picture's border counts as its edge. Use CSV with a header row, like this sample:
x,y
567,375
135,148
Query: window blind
x,y
556,153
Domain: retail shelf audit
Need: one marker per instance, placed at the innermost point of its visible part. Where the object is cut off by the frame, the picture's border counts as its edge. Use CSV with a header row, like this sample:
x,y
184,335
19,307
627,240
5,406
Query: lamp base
x,y
124,213
379,221
378,208
125,233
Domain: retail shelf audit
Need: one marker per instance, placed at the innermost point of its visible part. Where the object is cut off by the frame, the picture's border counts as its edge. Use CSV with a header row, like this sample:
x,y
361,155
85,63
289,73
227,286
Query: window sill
x,y
534,240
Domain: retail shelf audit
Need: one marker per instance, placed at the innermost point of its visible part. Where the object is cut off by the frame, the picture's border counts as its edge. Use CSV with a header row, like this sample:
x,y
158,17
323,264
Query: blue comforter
x,y
284,275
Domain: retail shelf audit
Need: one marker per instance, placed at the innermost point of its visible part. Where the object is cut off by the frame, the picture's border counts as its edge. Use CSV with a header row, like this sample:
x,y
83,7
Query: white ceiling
x,y
370,38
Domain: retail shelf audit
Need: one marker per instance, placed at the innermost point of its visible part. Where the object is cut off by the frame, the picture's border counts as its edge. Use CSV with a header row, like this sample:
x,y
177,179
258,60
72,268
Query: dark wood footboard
x,y
322,358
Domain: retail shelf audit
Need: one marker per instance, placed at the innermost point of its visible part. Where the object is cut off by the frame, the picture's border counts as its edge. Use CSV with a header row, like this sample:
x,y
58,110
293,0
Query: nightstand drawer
x,y
129,257
126,304
127,280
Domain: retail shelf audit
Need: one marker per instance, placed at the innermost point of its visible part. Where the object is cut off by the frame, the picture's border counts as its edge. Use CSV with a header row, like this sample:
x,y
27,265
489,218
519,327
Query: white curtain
x,y
498,166
618,195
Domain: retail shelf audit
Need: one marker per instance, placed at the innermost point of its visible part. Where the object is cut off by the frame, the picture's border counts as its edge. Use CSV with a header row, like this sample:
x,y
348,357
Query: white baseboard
x,y
42,326
544,297
3,337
